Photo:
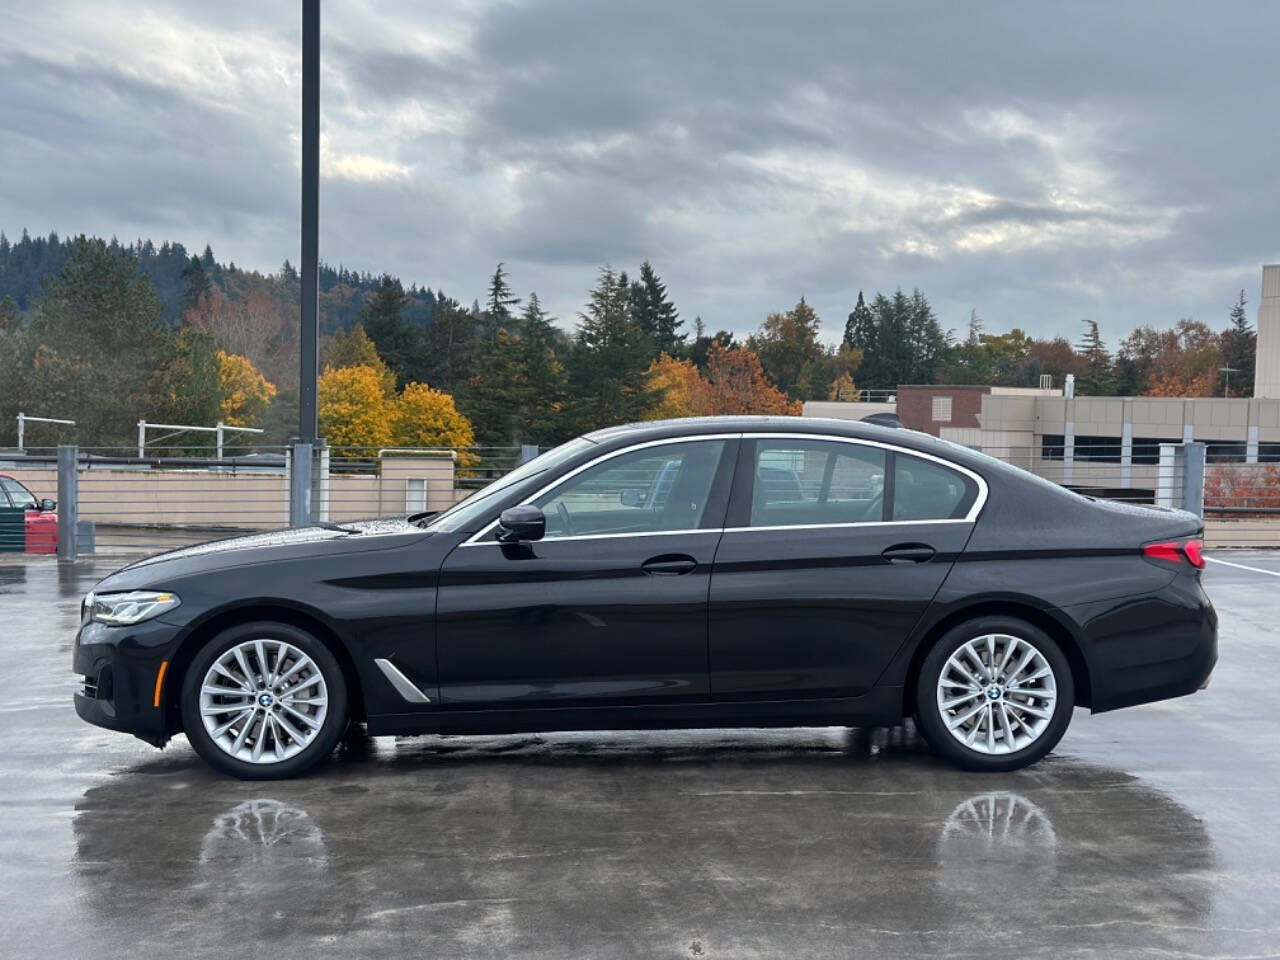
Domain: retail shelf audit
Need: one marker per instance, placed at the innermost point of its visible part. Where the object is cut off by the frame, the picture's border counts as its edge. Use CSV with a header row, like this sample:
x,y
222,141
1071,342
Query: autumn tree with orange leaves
x,y
735,384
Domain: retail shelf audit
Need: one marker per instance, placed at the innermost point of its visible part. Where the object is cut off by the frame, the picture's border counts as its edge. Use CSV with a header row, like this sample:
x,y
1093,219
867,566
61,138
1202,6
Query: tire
x,y
303,716
1035,711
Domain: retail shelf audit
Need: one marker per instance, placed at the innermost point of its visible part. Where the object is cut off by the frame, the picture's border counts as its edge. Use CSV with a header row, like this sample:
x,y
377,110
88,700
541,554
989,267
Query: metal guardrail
x,y
120,503
874,395
1169,475
112,501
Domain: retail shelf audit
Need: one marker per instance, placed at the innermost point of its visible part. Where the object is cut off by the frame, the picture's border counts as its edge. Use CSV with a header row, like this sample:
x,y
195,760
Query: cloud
x,y
1110,162
361,168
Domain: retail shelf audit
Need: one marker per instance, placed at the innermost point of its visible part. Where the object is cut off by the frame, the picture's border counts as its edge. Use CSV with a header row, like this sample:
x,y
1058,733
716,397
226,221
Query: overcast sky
x,y
1044,163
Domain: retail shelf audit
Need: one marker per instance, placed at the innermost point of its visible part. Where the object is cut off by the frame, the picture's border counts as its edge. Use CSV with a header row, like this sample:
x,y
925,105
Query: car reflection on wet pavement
x,y
1147,833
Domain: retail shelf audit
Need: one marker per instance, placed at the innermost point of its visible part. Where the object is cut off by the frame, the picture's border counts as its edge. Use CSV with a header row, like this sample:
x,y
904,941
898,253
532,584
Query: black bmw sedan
x,y
692,573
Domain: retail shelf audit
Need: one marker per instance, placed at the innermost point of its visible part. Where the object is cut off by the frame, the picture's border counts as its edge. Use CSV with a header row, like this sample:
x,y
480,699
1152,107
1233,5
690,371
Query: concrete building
x,y
933,409
1266,374
1103,443
927,408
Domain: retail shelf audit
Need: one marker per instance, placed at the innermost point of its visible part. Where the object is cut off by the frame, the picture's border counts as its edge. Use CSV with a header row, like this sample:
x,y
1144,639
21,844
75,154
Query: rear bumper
x,y
120,667
1154,647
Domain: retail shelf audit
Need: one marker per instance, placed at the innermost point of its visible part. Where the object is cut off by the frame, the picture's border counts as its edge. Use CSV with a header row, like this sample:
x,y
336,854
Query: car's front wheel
x,y
263,701
995,693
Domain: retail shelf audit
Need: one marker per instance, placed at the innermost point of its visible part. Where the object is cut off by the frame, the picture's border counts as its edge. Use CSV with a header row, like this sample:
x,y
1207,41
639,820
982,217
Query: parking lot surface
x,y
1149,832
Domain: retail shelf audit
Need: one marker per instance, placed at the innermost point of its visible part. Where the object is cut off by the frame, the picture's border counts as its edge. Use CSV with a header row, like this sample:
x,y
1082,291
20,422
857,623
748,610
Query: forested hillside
x,y
107,333
180,276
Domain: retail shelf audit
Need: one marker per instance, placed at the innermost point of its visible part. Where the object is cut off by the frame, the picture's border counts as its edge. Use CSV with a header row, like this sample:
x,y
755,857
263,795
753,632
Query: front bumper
x,y
121,667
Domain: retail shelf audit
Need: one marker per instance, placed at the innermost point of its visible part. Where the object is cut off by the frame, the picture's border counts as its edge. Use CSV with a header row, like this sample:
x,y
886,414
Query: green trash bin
x,y
13,529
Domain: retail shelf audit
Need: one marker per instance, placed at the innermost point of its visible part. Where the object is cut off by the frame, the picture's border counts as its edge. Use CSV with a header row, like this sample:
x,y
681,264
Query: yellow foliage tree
x,y
353,410
843,389
678,386
428,418
355,349
246,393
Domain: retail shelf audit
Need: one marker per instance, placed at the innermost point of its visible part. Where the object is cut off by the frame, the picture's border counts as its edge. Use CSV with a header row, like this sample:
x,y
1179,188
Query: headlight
x,y
119,609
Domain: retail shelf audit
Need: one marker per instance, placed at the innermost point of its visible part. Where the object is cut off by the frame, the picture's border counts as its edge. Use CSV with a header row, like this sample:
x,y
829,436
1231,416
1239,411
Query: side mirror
x,y
525,522
48,505
634,497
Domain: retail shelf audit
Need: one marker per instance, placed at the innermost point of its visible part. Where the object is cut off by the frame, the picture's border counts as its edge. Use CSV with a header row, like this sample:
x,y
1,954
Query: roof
x,y
746,424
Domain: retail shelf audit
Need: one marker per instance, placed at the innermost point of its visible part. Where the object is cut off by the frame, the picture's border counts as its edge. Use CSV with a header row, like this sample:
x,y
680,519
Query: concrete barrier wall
x,y
190,498
256,501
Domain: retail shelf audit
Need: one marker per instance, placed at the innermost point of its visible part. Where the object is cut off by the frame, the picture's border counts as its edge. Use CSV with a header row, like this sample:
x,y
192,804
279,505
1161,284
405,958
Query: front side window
x,y
924,490
20,495
804,482
474,507
654,489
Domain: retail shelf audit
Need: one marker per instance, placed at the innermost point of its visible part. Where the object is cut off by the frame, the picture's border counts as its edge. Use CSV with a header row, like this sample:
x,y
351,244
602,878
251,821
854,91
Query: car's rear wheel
x,y
263,701
995,693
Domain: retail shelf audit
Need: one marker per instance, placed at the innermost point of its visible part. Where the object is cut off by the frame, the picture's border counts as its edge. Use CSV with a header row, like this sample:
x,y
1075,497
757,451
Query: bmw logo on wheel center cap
x,y
993,693
265,700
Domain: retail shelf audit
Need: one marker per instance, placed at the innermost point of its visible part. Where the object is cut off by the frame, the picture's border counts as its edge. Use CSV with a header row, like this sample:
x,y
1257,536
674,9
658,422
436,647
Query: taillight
x,y
1194,549
1176,551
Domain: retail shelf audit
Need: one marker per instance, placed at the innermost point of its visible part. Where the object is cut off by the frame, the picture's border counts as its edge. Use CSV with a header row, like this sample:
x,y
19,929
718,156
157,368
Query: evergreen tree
x,y
654,313
195,281
541,420
971,359
1240,347
187,387
494,398
497,315
445,357
929,343
902,341
93,344
517,387
859,329
1098,376
383,319
886,357
10,372
608,375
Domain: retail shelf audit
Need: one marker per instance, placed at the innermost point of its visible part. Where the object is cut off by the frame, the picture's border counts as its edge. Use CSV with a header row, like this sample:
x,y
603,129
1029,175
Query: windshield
x,y
468,511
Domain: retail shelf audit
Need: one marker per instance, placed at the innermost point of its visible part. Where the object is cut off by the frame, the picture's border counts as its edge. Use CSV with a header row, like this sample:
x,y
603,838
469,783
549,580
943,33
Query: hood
x,y
361,529
270,547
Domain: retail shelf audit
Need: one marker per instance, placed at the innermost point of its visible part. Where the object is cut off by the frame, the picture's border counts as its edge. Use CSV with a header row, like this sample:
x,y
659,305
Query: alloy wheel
x,y
263,701
997,694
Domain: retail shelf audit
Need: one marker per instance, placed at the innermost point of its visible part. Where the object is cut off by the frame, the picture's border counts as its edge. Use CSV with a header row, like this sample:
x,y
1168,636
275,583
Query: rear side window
x,y
924,490
806,482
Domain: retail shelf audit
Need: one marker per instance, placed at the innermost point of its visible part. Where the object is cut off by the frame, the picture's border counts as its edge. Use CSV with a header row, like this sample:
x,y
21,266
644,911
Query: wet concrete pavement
x,y
1149,832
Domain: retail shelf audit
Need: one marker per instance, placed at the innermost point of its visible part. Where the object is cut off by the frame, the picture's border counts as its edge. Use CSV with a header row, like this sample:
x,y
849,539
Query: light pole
x,y
310,266
1227,372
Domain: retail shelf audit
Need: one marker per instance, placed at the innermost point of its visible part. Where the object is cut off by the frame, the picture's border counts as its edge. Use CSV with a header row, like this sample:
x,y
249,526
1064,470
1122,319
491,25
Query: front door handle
x,y
669,565
909,553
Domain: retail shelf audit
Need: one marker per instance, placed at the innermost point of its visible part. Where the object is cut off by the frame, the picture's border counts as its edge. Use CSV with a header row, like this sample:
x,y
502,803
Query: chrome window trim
x,y
475,541
838,526
979,501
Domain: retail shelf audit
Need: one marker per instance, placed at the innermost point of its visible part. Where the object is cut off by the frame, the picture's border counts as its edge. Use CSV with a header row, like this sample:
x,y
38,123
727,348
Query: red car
x,y
42,517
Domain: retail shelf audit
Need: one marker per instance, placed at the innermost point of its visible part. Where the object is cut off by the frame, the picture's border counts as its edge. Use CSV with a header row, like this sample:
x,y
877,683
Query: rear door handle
x,y
669,565
909,553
